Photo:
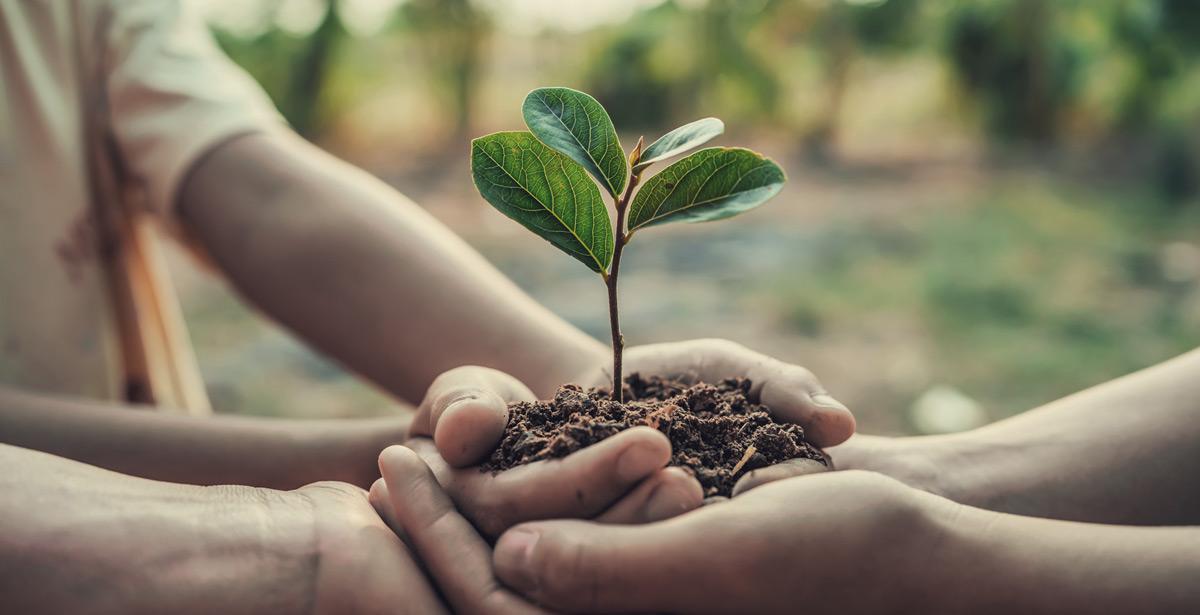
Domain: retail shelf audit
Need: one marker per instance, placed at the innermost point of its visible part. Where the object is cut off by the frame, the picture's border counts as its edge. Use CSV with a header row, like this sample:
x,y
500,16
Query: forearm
x,y
365,274
986,562
1127,451
275,453
75,538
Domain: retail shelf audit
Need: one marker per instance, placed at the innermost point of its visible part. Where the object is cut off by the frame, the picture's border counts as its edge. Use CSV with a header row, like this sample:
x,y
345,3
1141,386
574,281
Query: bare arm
x,y
78,539
280,454
74,538
355,268
366,275
842,542
1127,451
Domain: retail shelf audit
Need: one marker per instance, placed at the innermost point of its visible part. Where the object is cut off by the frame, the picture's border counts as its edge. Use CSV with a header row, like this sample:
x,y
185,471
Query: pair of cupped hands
x,y
607,528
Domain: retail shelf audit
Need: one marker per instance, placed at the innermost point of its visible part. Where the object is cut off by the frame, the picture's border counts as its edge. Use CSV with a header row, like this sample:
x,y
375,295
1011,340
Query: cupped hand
x,y
413,504
792,393
838,542
623,479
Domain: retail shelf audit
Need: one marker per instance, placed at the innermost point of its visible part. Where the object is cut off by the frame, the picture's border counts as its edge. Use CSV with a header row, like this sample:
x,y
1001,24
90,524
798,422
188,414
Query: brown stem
x,y
620,239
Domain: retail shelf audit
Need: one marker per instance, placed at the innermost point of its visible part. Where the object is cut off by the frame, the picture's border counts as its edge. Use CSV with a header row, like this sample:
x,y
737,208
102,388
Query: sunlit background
x,y
991,203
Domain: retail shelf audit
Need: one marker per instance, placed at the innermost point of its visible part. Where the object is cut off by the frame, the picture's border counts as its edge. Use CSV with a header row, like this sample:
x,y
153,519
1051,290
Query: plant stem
x,y
619,241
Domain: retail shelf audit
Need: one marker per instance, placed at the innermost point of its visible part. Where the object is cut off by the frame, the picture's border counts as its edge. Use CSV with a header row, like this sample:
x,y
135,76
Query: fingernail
x,y
827,400
636,462
514,557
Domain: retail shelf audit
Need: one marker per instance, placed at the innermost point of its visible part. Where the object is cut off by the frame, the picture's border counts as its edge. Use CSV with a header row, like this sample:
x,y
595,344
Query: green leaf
x,y
711,184
577,125
680,140
546,192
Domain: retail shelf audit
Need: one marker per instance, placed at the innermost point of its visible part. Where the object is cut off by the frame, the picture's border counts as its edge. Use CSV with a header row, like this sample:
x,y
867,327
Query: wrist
x,y
923,463
233,549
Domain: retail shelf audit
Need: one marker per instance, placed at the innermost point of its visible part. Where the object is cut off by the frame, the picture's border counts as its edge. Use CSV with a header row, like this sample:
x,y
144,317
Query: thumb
x,y
465,410
581,566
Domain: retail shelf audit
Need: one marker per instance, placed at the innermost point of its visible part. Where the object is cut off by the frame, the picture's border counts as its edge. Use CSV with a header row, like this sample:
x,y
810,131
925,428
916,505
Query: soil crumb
x,y
711,427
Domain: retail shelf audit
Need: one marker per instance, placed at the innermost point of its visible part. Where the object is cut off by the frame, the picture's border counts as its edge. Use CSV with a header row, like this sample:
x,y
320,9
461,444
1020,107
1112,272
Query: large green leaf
x,y
711,184
680,140
577,125
546,192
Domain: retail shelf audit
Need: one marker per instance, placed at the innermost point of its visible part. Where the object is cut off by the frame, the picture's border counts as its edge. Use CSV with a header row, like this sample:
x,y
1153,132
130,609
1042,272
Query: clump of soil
x,y
715,430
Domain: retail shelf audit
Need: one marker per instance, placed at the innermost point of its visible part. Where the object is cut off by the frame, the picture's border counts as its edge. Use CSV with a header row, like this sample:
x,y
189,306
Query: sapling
x,y
540,179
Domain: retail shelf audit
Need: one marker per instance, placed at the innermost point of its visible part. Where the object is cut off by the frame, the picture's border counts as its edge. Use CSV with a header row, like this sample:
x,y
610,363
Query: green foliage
x,y
539,178
543,184
546,192
711,184
575,124
1010,58
680,140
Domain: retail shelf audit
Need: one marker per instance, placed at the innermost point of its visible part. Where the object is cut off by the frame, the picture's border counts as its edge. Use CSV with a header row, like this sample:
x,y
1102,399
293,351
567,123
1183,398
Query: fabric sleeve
x,y
173,95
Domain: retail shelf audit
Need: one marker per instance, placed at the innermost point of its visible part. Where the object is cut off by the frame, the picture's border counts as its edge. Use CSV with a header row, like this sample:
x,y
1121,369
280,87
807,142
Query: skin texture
x,y
1126,452
76,538
852,542
355,268
279,454
856,541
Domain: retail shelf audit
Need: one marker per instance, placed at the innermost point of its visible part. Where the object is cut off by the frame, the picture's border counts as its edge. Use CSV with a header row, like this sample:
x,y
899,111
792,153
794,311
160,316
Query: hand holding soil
x,y
779,409
464,416
620,480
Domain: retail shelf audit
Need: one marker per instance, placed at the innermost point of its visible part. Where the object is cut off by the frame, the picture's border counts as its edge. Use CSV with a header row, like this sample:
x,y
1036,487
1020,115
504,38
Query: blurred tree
x,y
298,86
670,63
1162,39
723,40
1012,58
626,76
302,102
451,35
840,31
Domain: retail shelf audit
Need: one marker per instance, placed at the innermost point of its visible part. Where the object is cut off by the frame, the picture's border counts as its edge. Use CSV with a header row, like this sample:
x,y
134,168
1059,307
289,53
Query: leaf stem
x,y
620,238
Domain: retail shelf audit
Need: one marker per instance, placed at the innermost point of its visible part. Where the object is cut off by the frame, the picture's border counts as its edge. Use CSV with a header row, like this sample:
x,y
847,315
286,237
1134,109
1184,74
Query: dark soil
x,y
711,427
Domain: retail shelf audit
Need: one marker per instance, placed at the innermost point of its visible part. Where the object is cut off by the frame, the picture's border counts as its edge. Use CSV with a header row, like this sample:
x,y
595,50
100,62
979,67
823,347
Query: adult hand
x,y
363,563
620,480
838,541
415,506
466,412
791,392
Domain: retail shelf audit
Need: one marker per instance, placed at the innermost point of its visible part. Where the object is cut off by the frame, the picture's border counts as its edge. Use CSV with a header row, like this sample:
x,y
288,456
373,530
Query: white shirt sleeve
x,y
173,94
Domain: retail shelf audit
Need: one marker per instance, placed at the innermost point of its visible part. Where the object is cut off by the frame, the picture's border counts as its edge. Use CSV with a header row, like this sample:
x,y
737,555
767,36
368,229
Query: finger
x,y
580,485
794,395
465,410
779,471
668,493
581,566
454,554
381,501
791,392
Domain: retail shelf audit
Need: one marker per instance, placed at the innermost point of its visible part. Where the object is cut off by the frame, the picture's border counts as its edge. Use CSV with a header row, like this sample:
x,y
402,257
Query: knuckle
x,y
401,457
723,345
566,576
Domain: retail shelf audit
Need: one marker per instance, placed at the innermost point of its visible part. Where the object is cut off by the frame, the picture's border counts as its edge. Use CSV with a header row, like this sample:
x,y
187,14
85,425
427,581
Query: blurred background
x,y
991,203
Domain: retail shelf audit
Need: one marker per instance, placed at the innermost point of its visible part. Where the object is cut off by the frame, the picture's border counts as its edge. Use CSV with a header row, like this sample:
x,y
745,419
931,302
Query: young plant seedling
x,y
540,179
